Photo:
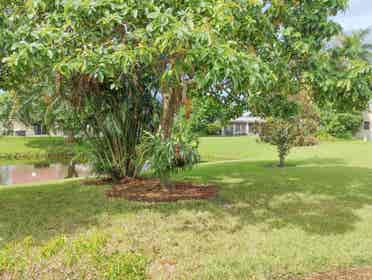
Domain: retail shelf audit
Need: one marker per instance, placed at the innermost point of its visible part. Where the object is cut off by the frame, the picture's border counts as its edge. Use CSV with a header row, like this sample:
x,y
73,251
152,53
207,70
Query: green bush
x,y
341,125
214,128
170,155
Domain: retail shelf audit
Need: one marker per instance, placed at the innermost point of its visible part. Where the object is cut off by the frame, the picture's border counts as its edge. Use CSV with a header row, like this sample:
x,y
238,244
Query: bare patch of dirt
x,y
150,190
345,274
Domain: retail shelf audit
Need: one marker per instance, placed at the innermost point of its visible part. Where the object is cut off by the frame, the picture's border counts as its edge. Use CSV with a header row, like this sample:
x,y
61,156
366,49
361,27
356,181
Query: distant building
x,y
365,132
248,124
244,125
17,128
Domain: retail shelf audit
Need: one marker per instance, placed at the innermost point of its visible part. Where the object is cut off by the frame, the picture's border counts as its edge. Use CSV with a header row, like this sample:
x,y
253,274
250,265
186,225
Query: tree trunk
x,y
70,137
171,104
188,105
167,117
281,161
71,171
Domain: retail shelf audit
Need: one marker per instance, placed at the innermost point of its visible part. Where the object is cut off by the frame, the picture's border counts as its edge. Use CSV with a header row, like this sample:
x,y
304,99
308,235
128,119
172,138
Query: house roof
x,y
247,118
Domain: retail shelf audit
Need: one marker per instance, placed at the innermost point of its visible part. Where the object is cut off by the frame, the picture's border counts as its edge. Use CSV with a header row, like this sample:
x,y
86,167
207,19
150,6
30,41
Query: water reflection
x,y
40,172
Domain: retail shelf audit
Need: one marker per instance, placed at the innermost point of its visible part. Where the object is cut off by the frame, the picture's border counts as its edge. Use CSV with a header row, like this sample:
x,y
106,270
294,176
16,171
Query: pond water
x,y
34,173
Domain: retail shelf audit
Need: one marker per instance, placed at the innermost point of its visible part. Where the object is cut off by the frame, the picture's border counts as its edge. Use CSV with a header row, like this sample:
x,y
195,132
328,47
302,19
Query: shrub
x,y
214,128
282,134
170,155
113,120
341,125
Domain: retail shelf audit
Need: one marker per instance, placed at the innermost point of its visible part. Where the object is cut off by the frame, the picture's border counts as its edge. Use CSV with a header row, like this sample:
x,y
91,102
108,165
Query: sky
x,y
357,16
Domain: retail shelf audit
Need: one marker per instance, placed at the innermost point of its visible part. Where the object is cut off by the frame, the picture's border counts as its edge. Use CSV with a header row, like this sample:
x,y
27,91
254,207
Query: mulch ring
x,y
150,190
344,274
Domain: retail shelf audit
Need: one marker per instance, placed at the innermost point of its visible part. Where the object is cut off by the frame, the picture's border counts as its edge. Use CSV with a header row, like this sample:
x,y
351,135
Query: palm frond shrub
x,y
113,121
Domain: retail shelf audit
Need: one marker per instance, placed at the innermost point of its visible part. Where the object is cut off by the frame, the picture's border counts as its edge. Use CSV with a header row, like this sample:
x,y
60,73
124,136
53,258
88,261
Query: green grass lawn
x,y
249,149
266,223
30,144
35,149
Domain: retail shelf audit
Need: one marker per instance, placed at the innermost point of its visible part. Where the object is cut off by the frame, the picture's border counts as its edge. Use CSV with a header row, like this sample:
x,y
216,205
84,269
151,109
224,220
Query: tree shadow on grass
x,y
317,199
319,196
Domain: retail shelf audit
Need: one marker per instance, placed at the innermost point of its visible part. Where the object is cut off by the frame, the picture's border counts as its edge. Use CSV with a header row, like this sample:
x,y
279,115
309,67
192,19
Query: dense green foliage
x,y
335,121
345,75
341,125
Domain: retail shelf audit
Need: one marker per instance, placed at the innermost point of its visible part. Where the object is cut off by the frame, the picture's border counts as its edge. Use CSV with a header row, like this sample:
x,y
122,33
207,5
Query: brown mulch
x,y
345,274
150,190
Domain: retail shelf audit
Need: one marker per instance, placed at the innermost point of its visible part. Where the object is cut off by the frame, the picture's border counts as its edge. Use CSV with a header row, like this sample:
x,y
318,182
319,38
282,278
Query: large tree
x,y
111,54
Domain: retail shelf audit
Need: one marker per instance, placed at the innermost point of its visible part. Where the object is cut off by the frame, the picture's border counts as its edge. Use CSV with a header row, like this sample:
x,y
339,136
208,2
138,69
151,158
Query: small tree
x,y
282,134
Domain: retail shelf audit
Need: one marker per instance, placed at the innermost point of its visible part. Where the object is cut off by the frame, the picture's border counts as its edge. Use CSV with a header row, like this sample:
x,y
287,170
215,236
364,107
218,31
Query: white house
x,y
247,125
18,128
244,125
366,130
